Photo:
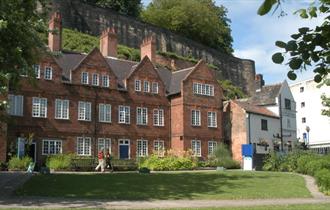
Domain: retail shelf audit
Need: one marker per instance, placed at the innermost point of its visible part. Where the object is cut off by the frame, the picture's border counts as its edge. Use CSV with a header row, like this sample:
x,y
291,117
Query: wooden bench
x,y
124,165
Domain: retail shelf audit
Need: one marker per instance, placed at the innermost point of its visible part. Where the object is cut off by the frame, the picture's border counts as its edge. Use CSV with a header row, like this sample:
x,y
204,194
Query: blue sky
x,y
254,36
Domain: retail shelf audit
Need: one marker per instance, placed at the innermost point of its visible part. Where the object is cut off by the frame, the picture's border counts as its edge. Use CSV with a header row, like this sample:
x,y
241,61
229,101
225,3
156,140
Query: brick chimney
x,y
259,81
108,42
148,48
55,37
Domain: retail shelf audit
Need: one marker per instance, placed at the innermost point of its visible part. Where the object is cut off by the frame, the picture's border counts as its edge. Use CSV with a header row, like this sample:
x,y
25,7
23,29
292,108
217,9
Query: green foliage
x,y
308,48
16,163
60,161
223,157
125,7
20,26
200,20
80,42
167,163
323,180
302,162
230,91
326,104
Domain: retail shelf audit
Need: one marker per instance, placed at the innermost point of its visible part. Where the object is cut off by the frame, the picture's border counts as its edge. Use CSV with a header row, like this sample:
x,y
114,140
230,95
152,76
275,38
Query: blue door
x,y
124,149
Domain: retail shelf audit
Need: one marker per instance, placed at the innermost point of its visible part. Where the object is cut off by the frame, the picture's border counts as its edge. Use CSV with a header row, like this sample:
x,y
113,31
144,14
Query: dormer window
x,y
138,85
48,73
146,87
203,89
154,88
84,78
105,81
95,80
36,68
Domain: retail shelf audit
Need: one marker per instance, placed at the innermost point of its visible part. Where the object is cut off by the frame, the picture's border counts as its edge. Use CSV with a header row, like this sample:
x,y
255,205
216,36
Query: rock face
x,y
131,32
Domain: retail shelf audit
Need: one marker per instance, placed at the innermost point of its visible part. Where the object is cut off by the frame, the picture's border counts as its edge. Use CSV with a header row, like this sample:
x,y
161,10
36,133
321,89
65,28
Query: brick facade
x,y
66,84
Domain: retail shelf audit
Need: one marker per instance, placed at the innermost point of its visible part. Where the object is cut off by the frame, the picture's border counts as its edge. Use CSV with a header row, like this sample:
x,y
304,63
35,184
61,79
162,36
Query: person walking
x,y
108,160
101,164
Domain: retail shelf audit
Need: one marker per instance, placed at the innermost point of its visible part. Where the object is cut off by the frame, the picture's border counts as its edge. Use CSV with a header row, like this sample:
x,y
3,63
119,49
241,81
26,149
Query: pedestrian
x,y
108,160
101,164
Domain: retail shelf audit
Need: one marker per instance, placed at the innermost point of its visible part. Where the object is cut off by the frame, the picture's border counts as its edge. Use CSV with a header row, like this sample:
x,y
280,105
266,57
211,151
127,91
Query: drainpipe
x,y
249,122
281,124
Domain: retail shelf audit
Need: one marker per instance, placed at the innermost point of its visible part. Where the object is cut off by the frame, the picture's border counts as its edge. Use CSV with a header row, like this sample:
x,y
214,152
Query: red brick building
x,y
84,102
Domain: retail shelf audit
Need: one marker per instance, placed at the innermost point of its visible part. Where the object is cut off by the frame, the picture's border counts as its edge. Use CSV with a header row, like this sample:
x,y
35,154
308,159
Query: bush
x,y
16,163
59,162
167,163
229,164
323,180
3,166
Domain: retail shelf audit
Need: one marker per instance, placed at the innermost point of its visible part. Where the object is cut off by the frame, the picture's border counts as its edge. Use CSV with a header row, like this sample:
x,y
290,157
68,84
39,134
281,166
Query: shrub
x,y
3,166
59,162
323,180
16,163
229,164
167,163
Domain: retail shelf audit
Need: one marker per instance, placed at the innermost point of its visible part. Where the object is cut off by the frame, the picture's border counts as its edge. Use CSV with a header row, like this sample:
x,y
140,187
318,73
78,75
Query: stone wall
x,y
131,32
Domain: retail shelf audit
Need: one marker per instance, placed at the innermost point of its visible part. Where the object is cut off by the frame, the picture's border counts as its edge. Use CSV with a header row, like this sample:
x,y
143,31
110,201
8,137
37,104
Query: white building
x,y
279,99
312,127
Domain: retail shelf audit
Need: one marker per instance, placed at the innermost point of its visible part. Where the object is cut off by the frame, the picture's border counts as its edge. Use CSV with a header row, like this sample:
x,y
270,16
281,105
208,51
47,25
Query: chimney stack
x,y
108,42
148,48
55,34
259,81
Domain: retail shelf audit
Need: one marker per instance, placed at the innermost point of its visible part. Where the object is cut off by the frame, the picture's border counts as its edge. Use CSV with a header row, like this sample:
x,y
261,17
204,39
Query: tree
x,y
231,91
200,20
308,48
20,42
125,7
325,103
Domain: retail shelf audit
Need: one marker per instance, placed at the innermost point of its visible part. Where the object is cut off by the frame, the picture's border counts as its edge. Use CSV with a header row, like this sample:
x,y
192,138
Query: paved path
x,y
9,181
43,202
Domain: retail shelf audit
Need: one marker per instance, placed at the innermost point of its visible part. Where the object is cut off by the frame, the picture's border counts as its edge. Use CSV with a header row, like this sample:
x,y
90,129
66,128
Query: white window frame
x,y
142,148
212,121
48,72
105,113
141,116
138,85
62,112
84,76
84,151
95,79
105,81
196,147
39,107
203,89
159,148
55,143
104,143
146,86
36,68
124,114
84,111
211,146
154,88
195,117
16,105
158,117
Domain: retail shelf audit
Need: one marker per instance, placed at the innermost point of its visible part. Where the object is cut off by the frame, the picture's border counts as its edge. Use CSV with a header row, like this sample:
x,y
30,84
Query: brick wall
x,y
3,142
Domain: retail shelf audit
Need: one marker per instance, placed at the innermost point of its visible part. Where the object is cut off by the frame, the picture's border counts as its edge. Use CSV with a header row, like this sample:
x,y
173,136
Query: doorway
x,y
124,148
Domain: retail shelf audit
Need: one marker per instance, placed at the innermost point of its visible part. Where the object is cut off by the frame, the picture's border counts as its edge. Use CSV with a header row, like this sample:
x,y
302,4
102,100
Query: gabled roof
x,y
251,108
69,60
266,95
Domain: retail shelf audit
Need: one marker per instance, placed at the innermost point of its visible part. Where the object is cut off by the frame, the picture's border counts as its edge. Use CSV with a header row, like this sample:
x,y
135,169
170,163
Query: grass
x,y
163,186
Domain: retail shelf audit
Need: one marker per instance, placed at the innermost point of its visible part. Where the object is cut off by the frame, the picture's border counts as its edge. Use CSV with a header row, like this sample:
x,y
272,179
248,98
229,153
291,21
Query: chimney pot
x,y
108,42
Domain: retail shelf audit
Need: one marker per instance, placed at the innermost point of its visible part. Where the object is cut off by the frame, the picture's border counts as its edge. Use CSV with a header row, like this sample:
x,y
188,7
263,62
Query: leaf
x,y
303,30
317,78
291,46
291,75
303,13
315,57
295,36
278,58
295,63
312,12
266,6
280,44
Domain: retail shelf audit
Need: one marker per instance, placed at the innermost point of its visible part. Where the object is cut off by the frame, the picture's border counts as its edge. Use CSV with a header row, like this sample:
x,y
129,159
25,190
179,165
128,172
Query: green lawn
x,y
199,185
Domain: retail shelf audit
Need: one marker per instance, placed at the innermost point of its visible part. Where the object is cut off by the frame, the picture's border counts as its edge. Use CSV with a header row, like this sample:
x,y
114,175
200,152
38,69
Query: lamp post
x,y
307,129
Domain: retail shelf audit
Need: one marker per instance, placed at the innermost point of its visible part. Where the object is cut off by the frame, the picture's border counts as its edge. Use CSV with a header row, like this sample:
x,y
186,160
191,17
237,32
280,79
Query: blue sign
x,y
247,150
